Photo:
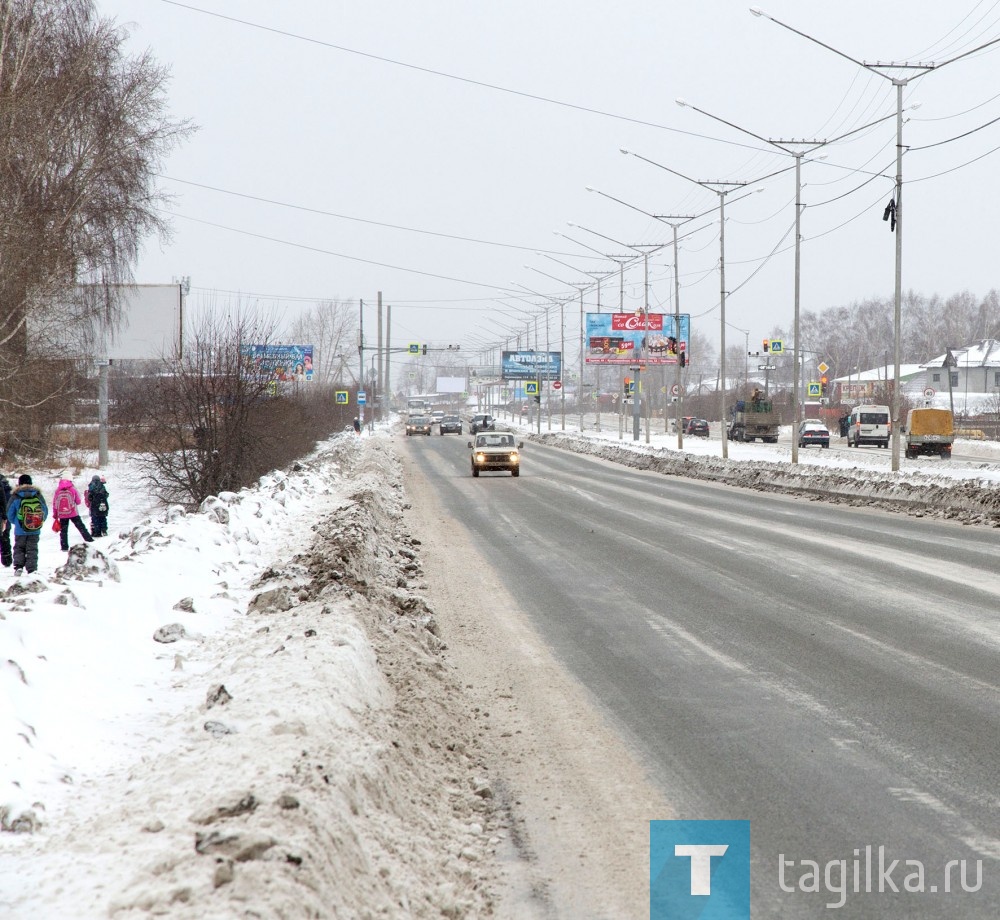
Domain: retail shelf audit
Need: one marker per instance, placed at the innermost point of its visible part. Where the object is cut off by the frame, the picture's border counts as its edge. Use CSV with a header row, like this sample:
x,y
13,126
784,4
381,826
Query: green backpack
x,y
31,514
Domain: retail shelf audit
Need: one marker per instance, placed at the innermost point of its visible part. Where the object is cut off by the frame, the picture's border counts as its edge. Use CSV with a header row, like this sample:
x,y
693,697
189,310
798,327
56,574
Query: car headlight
x,y
480,458
513,457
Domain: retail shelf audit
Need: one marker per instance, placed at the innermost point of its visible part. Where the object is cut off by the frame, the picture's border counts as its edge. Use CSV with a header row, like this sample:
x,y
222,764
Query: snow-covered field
x,y
245,709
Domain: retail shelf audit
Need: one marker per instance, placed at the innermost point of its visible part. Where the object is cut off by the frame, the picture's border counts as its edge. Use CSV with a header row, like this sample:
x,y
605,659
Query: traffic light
x,y
822,385
628,386
538,397
767,345
684,359
424,352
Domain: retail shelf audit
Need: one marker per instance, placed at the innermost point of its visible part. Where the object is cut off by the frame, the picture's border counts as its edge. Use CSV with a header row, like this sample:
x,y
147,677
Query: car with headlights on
x,y
815,433
418,424
450,424
495,452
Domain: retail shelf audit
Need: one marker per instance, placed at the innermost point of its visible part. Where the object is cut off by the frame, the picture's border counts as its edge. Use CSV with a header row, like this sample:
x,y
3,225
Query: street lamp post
x,y
877,68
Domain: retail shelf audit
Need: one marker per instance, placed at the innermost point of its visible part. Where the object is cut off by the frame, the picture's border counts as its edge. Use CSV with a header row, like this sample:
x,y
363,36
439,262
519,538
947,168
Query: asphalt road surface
x,y
828,673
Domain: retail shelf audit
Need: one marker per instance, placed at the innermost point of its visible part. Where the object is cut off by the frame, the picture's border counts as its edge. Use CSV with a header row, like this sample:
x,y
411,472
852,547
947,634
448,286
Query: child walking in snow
x,y
26,513
96,498
64,508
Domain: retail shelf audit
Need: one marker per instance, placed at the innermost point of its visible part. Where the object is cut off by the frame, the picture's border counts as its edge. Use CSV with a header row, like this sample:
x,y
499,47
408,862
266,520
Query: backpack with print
x,y
63,504
30,513
98,495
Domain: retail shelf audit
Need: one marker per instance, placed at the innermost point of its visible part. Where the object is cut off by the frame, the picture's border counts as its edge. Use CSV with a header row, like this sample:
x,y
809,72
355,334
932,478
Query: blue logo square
x,y
699,870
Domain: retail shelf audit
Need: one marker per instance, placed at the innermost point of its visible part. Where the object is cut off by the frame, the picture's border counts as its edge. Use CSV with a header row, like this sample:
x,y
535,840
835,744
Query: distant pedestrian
x,y
96,498
357,425
26,513
65,509
6,555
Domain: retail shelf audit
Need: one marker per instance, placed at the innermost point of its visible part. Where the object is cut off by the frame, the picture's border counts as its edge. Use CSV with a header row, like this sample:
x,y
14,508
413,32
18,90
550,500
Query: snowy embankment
x,y
242,707
924,488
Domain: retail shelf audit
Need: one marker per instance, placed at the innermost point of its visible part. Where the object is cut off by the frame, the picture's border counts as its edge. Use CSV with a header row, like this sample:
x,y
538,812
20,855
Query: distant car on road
x,y
482,423
813,432
495,451
418,424
697,427
450,424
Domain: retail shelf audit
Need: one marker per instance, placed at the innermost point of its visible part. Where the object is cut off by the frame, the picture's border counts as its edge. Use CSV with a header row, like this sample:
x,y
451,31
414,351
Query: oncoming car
x,y
418,424
481,423
813,432
495,452
450,423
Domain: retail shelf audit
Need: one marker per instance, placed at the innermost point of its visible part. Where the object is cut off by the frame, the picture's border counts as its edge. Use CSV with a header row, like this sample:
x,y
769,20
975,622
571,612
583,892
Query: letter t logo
x,y
701,864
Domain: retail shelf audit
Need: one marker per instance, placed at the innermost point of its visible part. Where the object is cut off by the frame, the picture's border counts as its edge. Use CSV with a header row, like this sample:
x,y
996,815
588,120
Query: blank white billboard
x,y
151,322
450,385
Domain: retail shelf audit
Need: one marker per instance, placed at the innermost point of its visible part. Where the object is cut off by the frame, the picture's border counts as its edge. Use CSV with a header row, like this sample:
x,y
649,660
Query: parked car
x,y
813,432
450,424
698,427
418,424
495,451
482,423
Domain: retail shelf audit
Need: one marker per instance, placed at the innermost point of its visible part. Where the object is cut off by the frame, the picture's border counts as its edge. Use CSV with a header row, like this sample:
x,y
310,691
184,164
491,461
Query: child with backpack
x,y
26,513
64,509
96,498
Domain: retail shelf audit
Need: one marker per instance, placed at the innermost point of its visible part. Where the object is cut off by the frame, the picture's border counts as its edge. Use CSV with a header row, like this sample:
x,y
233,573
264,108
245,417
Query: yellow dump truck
x,y
929,431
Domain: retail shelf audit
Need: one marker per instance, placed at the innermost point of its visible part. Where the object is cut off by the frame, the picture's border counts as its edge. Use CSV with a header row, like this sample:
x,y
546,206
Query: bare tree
x,y
212,417
82,136
331,327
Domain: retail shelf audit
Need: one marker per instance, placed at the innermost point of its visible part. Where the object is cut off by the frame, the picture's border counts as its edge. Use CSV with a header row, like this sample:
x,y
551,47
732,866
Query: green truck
x,y
753,418
929,432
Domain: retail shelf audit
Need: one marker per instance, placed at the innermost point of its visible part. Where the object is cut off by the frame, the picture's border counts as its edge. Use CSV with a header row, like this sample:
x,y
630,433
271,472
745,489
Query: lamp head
x,y
757,11
590,188
623,150
681,102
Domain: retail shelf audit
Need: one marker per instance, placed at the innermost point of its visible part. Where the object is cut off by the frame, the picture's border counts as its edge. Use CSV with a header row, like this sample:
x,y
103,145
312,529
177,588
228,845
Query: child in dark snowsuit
x,y
6,556
96,498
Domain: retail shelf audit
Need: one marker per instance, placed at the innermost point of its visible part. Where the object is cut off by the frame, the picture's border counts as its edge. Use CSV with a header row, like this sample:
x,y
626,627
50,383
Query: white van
x,y
869,425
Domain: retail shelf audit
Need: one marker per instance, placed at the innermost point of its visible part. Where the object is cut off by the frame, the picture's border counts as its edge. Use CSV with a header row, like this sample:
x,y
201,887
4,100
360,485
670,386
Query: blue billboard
x,y
635,338
531,365
281,362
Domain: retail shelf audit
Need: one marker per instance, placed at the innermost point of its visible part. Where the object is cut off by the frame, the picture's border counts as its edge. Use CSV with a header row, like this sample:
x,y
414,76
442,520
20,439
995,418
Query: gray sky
x,y
300,103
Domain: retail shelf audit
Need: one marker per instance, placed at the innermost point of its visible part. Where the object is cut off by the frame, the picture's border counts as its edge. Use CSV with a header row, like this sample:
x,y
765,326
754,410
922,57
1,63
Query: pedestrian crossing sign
x,y
340,397
815,388
531,387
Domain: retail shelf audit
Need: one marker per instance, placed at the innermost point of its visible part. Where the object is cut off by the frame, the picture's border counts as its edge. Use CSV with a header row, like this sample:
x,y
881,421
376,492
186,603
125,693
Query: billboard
x,y
618,338
281,362
531,365
450,385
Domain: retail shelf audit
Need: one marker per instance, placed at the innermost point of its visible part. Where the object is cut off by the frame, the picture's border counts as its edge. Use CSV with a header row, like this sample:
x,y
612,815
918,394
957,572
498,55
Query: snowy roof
x,y
985,353
876,374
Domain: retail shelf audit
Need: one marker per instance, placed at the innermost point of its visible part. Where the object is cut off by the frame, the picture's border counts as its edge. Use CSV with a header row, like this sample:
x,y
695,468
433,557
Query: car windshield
x,y
495,440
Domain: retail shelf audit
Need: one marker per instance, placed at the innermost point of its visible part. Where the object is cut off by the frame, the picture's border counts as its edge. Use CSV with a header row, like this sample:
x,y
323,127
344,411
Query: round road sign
x,y
556,384
675,390
929,391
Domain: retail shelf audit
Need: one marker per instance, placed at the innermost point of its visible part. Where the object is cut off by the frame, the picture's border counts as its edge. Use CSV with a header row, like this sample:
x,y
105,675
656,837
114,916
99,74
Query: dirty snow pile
x,y
239,712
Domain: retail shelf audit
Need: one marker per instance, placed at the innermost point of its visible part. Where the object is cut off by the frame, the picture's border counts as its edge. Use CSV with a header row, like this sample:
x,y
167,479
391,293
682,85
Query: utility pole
x,y
378,377
386,391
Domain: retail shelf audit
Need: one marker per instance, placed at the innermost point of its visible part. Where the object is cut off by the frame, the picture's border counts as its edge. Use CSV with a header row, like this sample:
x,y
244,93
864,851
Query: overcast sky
x,y
447,141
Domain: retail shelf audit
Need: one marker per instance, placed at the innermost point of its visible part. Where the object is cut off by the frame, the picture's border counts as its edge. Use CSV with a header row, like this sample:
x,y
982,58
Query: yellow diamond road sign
x,y
823,367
